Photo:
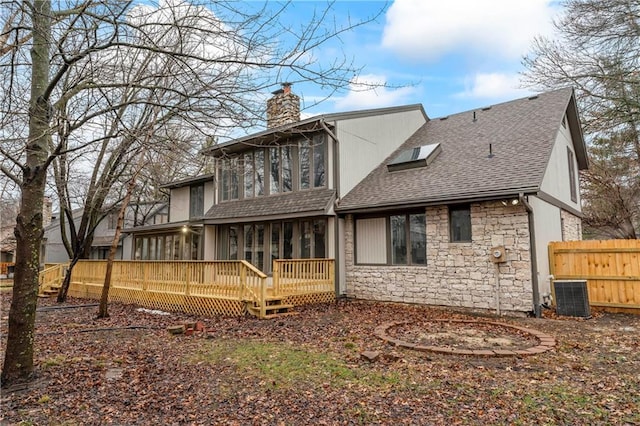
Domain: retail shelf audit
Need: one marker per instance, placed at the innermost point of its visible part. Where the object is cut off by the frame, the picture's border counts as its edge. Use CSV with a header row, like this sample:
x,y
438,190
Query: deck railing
x,y
51,276
202,287
298,276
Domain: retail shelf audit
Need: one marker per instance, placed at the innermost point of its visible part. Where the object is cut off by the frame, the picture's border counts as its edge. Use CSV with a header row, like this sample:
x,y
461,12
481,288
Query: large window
x,y
278,240
295,165
229,179
312,162
399,239
173,246
460,223
196,201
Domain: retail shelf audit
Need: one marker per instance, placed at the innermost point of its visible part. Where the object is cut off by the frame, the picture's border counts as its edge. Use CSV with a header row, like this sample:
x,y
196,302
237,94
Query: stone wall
x,y
456,274
571,226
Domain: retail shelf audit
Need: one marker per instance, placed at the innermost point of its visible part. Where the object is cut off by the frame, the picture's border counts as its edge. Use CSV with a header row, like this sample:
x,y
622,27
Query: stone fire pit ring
x,y
545,341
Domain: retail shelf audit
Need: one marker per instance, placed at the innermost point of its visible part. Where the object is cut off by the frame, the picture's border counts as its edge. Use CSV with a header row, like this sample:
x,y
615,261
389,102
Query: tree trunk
x,y
18,360
104,297
66,282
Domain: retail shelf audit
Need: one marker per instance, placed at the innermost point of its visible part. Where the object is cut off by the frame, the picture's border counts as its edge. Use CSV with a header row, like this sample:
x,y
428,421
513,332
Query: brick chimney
x,y
283,107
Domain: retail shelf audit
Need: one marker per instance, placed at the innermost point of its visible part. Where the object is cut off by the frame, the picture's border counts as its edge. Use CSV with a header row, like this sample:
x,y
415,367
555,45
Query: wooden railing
x,y
51,277
302,276
206,287
611,268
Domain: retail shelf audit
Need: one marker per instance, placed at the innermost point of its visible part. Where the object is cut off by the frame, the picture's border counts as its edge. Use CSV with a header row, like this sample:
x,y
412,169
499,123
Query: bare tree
x,y
597,51
101,73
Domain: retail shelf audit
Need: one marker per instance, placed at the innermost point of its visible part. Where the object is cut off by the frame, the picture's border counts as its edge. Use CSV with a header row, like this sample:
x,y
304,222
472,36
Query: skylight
x,y
419,156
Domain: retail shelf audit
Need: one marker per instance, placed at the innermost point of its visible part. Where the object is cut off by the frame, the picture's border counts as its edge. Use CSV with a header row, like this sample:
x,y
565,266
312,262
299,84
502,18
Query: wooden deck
x,y
204,287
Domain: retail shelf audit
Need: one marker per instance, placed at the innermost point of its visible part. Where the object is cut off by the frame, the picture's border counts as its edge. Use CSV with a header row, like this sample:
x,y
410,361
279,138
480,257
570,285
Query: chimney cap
x,y
286,89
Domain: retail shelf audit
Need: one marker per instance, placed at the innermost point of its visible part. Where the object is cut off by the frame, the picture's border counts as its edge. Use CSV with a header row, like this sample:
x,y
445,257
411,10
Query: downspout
x,y
336,184
534,257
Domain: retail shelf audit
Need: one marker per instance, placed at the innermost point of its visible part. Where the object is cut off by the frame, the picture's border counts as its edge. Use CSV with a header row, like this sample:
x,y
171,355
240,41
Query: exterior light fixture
x,y
185,229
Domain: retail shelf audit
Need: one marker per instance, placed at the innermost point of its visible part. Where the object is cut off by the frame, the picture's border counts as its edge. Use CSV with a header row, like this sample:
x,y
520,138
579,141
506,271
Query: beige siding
x,y
179,207
556,177
208,195
548,228
377,137
371,240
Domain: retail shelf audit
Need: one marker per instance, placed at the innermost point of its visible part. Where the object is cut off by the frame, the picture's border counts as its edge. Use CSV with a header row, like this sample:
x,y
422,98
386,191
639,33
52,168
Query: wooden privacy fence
x,y
611,268
198,287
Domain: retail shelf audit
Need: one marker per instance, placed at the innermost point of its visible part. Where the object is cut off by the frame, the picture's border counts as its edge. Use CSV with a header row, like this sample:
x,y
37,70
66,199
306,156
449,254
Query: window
x,y
279,240
399,239
174,246
460,224
248,175
572,176
196,201
229,185
312,162
419,156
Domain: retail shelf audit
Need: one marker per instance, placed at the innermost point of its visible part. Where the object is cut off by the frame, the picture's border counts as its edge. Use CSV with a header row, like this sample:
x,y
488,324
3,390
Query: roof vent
x,y
486,108
419,156
444,118
532,97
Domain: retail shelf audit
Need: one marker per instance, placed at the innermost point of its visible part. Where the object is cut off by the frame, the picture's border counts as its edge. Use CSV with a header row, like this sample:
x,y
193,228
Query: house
x,y
453,211
53,249
462,213
273,193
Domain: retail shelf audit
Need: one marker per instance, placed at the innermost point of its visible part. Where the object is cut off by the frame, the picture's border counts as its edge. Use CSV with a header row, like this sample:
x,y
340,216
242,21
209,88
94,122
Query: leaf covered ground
x,y
308,369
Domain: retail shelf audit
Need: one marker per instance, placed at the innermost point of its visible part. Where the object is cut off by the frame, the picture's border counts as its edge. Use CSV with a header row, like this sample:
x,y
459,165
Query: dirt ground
x,y
307,369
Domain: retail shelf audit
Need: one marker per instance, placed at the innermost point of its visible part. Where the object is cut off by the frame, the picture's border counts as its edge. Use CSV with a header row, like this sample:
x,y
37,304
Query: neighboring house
x,y
55,252
411,209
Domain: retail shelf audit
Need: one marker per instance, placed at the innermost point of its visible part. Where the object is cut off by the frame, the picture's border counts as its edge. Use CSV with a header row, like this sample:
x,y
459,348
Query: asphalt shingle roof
x,y
316,201
521,134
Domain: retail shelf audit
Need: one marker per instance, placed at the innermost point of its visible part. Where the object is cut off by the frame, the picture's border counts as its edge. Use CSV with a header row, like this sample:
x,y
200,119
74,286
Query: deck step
x,y
280,315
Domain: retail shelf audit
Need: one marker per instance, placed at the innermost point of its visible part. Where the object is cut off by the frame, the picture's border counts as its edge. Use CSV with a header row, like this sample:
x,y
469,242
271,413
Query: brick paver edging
x,y
546,342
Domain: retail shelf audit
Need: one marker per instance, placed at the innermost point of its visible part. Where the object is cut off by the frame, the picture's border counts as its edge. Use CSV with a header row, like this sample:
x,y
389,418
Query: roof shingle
x,y
521,135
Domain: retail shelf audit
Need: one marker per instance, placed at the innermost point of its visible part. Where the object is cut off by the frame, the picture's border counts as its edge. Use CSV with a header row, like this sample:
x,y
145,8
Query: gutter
x,y
534,258
336,185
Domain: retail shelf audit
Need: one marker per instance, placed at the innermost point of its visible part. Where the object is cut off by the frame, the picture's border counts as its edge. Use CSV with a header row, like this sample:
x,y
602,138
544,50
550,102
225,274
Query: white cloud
x,y
494,86
429,29
364,94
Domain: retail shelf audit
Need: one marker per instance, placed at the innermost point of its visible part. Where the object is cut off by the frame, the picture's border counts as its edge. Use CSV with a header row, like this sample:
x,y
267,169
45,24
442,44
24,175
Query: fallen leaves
x,y
307,369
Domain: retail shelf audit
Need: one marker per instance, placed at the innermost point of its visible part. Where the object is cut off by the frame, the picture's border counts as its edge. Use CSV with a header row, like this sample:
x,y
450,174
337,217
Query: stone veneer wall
x,y
571,226
456,274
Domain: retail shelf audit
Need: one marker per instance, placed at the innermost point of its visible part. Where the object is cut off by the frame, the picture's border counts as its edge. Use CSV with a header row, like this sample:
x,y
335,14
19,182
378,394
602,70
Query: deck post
x,y
188,278
276,278
243,281
263,297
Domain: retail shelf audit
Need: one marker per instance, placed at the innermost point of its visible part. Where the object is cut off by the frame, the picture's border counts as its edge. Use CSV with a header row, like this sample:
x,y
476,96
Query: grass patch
x,y
281,365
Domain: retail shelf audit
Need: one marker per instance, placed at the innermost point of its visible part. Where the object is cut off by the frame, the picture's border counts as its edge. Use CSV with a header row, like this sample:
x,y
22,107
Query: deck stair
x,y
273,308
49,291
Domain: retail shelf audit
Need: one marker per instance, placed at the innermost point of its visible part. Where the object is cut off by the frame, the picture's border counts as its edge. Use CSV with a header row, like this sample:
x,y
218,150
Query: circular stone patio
x,y
465,337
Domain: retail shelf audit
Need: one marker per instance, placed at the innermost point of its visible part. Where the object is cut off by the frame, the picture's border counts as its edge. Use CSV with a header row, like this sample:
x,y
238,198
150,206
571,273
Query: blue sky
x,y
450,56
